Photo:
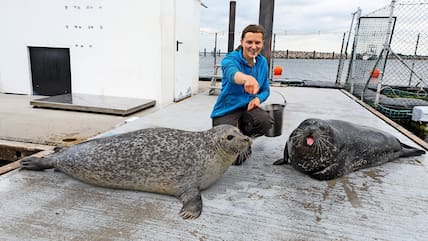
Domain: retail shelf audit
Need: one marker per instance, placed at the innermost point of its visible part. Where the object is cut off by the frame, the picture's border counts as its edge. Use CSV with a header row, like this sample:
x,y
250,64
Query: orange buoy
x,y
375,73
277,70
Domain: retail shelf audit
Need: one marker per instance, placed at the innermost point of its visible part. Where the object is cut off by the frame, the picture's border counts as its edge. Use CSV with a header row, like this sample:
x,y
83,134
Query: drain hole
x,y
69,139
4,162
18,154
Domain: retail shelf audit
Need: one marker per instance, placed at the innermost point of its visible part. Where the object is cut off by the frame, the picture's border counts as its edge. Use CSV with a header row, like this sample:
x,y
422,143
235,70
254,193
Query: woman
x,y
245,85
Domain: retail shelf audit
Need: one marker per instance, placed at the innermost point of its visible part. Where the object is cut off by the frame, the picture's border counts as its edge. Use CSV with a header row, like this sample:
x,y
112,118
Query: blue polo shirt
x,y
232,95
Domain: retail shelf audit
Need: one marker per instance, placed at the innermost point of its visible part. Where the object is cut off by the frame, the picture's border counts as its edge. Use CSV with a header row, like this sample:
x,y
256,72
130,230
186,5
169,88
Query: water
x,y
292,69
308,69
326,70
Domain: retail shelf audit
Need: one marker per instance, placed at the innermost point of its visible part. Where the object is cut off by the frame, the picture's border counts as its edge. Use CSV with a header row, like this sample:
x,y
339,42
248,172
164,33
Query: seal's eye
x,y
230,137
307,123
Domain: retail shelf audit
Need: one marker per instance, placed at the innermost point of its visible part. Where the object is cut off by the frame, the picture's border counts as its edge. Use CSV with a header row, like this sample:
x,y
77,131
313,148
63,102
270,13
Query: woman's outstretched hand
x,y
251,85
253,104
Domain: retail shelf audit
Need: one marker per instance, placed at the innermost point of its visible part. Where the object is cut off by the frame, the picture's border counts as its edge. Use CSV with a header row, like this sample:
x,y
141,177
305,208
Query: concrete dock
x,y
255,201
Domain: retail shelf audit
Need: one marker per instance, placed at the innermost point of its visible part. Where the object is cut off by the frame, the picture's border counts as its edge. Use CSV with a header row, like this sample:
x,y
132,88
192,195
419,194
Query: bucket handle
x,y
279,93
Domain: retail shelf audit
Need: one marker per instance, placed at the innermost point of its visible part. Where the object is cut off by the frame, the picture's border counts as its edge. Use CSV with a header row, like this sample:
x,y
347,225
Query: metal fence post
x,y
386,47
215,50
414,57
339,67
272,58
353,57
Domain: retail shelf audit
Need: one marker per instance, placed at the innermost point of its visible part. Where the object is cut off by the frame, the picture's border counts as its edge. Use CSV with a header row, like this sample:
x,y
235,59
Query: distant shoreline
x,y
289,54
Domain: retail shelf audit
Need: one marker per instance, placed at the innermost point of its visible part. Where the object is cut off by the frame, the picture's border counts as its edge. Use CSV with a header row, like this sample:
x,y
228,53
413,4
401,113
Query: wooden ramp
x,y
256,201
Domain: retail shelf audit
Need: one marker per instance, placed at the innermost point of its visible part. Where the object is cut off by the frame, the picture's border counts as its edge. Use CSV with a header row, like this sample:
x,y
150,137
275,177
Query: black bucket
x,y
276,112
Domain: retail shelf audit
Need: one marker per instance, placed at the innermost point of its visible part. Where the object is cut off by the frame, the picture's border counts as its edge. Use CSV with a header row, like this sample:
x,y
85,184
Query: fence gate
x,y
367,53
389,65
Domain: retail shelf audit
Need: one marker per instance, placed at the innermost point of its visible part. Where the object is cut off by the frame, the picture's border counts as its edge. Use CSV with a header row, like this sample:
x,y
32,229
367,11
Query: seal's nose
x,y
311,130
249,140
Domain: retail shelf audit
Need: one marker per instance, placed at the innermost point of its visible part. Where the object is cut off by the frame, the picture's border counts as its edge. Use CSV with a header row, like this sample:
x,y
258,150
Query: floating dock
x,y
255,201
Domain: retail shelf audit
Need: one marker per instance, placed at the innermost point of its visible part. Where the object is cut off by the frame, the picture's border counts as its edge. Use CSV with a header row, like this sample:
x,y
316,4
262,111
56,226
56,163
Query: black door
x,y
50,70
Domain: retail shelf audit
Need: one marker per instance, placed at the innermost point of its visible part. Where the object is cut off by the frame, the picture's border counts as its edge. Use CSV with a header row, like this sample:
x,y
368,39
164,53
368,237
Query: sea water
x,y
292,69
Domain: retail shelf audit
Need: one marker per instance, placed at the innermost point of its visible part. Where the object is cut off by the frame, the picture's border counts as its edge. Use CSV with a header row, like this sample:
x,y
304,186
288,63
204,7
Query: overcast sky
x,y
300,24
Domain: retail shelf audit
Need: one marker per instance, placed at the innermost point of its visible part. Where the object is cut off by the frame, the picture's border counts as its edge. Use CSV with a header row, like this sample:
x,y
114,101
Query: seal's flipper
x,y
408,151
328,173
36,163
192,203
285,159
280,162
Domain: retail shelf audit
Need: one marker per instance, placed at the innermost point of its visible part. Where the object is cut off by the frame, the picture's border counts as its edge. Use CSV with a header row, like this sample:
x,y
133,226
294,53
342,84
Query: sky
x,y
304,25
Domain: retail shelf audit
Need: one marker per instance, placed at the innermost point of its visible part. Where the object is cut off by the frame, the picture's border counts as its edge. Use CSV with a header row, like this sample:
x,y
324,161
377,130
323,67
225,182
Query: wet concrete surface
x,y
255,201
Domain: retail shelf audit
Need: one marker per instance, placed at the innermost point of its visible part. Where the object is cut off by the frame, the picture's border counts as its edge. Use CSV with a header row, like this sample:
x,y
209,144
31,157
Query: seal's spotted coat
x,y
160,160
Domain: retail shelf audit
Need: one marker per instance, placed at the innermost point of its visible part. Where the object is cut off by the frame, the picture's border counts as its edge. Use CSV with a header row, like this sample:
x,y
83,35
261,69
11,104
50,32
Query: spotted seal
x,y
327,149
159,160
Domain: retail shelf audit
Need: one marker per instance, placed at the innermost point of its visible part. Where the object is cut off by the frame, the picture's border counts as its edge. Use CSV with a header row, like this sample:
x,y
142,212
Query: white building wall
x,y
117,48
186,58
194,28
167,67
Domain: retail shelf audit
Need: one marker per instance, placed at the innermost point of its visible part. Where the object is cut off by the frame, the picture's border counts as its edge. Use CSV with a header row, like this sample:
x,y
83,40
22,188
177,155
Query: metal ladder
x,y
215,77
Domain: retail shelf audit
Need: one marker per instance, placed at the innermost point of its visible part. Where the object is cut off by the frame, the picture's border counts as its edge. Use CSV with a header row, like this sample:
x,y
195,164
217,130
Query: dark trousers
x,y
252,123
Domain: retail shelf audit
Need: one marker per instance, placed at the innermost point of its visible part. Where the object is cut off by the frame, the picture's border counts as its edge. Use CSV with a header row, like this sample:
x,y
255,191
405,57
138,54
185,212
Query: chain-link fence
x,y
389,66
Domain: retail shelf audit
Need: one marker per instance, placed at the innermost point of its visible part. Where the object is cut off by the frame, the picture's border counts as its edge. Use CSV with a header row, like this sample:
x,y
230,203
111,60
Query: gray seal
x,y
328,149
159,160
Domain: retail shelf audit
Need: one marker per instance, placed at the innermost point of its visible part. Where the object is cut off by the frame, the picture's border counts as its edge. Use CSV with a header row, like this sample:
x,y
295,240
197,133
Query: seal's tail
x,y
408,151
36,163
